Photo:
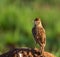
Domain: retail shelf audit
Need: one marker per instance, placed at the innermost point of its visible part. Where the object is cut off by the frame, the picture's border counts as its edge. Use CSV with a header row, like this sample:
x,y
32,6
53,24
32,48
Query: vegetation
x,y
16,22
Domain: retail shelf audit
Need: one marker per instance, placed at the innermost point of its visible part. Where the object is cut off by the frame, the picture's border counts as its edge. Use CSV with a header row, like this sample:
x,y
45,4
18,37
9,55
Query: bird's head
x,y
37,22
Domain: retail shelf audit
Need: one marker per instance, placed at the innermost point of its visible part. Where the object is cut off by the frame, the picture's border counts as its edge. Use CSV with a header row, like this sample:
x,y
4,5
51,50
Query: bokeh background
x,y
16,22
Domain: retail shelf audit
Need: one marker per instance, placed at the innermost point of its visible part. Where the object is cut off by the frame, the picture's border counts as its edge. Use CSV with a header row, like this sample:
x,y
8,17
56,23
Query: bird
x,y
39,34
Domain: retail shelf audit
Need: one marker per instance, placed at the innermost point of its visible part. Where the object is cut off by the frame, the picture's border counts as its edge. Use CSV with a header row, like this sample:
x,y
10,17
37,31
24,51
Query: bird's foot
x,y
42,56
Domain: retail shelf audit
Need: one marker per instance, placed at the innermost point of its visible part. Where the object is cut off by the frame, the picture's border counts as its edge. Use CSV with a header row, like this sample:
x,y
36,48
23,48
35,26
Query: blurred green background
x,y
16,22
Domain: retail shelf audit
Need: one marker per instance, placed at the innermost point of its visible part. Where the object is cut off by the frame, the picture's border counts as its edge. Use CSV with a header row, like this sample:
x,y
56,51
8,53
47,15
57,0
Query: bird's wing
x,y
33,32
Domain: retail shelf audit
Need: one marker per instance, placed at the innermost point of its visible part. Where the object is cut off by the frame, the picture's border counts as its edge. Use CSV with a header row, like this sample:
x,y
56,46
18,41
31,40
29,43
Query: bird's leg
x,y
42,50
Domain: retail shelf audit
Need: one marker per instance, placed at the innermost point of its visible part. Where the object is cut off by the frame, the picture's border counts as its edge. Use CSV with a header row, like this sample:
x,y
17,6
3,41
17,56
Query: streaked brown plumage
x,y
39,34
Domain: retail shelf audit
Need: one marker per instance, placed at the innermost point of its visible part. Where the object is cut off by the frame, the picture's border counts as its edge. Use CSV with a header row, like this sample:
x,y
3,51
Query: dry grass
x,y
25,52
